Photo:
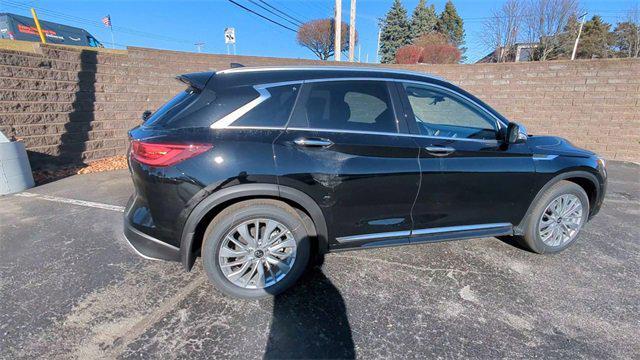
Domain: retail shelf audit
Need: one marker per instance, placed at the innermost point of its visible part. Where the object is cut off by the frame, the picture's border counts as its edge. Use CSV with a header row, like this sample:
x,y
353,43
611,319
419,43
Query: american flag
x,y
106,21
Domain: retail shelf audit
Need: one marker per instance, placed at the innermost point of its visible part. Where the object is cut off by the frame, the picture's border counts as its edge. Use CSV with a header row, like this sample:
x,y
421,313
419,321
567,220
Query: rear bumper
x,y
149,247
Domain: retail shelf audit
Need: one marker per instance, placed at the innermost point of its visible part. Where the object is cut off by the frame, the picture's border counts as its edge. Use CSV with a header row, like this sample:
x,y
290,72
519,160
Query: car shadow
x,y
310,322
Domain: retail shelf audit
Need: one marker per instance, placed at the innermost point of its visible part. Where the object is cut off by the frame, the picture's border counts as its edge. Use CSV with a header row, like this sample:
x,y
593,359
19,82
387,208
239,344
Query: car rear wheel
x,y
557,218
256,248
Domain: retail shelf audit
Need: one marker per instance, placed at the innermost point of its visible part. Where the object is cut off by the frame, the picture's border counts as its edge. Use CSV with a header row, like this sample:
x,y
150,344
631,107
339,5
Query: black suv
x,y
260,171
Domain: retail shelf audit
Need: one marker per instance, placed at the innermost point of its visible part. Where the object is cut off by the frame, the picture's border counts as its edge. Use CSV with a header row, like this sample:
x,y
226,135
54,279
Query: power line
x,y
297,13
298,23
280,11
262,16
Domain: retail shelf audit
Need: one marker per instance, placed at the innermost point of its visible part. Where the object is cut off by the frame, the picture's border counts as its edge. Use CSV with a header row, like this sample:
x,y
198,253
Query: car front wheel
x,y
557,218
256,248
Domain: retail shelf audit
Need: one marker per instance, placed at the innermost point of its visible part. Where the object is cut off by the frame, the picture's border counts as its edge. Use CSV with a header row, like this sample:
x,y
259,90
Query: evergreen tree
x,y
424,20
394,32
450,24
595,40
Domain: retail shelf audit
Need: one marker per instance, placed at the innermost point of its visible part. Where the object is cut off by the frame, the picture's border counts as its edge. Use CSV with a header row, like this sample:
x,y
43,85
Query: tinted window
x,y
440,113
171,108
200,109
346,105
274,111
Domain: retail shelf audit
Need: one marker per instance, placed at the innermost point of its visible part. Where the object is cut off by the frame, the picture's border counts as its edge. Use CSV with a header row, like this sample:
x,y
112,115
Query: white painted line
x,y
72,201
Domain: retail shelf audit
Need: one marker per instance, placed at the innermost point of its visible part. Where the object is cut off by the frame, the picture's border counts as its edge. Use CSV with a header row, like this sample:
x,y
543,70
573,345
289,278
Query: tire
x,y
533,238
244,214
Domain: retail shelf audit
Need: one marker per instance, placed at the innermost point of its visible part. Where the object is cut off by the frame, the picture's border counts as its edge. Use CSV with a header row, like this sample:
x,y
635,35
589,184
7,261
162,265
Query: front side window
x,y
440,113
346,105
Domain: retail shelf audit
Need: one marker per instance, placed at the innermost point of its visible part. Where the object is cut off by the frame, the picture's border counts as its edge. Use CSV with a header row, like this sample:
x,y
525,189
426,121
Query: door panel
x,y
485,183
479,180
363,183
342,148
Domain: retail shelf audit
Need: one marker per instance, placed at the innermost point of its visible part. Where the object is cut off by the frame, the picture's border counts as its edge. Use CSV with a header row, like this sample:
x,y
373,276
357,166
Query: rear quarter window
x,y
171,108
192,109
274,111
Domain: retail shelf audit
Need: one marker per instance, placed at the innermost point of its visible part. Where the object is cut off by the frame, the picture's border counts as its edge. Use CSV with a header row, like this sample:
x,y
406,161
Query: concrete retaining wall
x,y
73,105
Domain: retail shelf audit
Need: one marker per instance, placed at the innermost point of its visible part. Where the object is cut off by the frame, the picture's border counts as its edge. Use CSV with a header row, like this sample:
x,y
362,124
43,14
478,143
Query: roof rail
x,y
327,68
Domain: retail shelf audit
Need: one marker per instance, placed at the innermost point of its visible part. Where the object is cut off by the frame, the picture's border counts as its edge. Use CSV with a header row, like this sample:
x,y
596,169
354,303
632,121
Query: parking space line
x,y
92,204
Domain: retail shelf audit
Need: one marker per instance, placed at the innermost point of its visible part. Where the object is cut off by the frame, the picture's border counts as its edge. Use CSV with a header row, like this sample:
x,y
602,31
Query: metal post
x,y
378,48
575,46
352,30
40,32
337,46
113,42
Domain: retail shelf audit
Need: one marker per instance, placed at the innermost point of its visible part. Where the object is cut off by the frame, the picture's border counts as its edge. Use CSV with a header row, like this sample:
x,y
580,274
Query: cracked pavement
x,y
70,287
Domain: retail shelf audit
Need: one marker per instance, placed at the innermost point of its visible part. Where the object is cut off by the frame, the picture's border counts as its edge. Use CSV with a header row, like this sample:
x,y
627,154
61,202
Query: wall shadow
x,y
73,141
310,322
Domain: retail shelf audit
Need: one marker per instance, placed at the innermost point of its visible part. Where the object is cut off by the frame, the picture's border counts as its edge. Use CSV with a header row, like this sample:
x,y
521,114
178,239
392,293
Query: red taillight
x,y
158,154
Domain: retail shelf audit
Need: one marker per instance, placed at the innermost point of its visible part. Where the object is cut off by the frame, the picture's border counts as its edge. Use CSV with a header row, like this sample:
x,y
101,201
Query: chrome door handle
x,y
439,150
313,142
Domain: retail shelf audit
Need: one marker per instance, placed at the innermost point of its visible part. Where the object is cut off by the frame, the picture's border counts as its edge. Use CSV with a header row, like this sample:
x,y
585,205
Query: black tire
x,y
234,215
531,238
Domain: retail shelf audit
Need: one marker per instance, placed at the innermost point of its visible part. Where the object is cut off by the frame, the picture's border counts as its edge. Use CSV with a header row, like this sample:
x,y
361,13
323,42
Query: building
x,y
17,27
518,53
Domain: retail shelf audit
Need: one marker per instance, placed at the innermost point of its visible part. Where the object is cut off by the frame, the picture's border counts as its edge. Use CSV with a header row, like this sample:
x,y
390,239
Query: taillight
x,y
161,154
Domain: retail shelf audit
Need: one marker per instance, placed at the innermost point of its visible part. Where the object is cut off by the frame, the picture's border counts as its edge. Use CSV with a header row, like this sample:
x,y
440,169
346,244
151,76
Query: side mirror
x,y
516,133
145,115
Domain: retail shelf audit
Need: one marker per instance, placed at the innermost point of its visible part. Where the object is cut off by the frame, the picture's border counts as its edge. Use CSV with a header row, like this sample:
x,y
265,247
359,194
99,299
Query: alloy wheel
x,y
561,220
257,253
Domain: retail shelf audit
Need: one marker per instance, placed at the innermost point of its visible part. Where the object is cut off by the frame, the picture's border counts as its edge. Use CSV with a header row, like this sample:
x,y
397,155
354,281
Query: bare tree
x,y
544,21
502,30
627,34
318,36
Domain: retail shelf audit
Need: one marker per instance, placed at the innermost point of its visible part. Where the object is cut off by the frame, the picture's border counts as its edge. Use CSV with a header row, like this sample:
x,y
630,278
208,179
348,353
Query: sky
x,y
179,25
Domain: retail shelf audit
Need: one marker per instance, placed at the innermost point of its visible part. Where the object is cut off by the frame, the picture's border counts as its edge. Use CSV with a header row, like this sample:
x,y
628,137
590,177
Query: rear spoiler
x,y
196,80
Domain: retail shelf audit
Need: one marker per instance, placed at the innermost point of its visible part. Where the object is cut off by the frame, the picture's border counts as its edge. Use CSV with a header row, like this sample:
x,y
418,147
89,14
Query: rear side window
x,y
360,105
274,111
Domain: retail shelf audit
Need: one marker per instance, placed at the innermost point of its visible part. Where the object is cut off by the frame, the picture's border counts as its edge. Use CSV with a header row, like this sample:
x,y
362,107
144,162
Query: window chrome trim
x,y
239,127
412,233
264,95
391,134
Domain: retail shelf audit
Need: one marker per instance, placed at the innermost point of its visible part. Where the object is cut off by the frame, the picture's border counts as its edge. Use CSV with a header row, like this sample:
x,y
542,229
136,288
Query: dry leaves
x,y
108,164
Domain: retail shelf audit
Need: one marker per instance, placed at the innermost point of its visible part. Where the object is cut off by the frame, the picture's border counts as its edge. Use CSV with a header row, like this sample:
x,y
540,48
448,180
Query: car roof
x,y
276,74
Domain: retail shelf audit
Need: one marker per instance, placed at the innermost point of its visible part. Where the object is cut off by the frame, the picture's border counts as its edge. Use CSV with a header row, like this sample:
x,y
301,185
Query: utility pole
x,y
337,46
199,46
43,38
575,46
378,47
352,30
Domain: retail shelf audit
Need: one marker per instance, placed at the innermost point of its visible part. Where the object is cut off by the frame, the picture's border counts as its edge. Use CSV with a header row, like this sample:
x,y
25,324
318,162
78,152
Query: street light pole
x,y
352,30
575,45
337,46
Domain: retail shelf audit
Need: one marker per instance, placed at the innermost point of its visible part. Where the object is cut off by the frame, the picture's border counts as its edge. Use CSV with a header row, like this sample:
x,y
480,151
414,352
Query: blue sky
x,y
178,25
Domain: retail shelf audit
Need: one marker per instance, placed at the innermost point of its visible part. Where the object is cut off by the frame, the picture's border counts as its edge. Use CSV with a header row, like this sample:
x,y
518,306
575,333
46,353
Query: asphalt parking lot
x,y
71,287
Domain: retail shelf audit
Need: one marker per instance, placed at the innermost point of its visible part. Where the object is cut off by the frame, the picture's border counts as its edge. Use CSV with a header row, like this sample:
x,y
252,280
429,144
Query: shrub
x,y
409,54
